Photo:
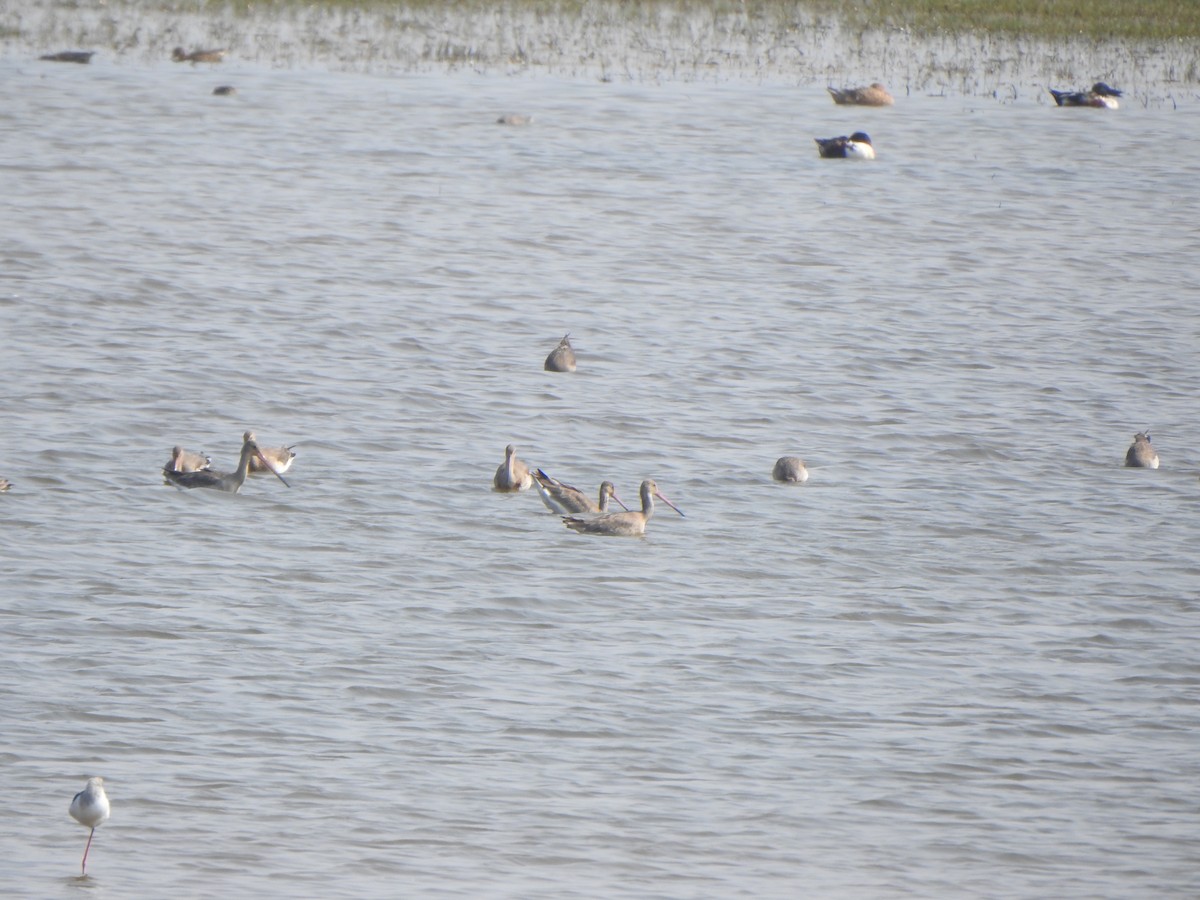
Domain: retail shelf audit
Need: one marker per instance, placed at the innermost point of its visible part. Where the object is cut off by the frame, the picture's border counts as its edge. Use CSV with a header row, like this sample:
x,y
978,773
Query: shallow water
x,y
959,661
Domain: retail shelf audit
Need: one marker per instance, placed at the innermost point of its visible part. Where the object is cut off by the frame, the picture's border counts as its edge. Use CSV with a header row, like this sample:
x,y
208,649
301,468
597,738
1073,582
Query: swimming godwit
x,y
187,461
512,475
875,95
857,146
1141,455
790,468
279,459
622,523
230,483
562,357
198,56
90,809
564,499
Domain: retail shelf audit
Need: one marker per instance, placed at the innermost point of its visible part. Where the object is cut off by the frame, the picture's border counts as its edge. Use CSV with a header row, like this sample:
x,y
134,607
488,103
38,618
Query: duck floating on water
x,y
790,468
856,146
83,57
872,95
198,56
1141,454
1101,96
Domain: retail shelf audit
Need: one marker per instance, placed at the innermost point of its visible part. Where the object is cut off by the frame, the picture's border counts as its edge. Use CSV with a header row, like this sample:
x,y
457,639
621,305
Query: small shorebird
x,y
1141,455
1101,96
83,57
875,95
187,461
622,524
224,90
90,809
857,146
279,459
514,119
230,483
512,475
5,484
198,56
790,468
562,357
564,499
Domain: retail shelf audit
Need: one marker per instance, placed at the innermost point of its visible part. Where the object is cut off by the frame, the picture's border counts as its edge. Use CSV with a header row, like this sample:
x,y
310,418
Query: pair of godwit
x,y
230,482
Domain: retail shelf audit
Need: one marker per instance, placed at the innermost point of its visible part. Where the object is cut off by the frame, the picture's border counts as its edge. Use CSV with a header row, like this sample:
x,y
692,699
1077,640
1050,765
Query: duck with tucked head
x,y
856,146
1101,96
790,468
198,56
1141,454
873,95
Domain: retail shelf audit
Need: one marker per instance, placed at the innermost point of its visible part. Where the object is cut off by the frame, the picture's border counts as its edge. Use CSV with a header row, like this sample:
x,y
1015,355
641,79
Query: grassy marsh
x,y
1002,48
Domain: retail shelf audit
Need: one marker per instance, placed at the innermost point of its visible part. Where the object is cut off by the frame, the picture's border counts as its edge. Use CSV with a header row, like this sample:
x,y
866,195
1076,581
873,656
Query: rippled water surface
x,y
959,662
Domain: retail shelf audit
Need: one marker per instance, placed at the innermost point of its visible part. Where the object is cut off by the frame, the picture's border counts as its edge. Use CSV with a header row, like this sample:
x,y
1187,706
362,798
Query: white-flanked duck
x,y
856,146
1101,96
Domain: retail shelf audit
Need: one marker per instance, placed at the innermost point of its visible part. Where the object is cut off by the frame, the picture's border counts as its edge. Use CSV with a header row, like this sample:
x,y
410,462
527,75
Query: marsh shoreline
x,y
611,41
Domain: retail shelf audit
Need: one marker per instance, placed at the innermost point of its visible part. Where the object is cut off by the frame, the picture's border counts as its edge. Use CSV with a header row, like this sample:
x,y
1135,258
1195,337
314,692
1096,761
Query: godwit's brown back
x,y
564,498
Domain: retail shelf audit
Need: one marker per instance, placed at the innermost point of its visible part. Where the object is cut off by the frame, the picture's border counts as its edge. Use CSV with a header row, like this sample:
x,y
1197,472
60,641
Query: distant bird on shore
x,y
562,357
1141,455
198,56
790,468
514,119
83,57
512,474
224,90
873,95
90,809
1101,96
857,146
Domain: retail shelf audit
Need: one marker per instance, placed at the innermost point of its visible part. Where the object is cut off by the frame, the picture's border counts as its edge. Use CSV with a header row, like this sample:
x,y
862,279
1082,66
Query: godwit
x,y
857,146
564,499
562,357
622,523
512,475
198,56
790,468
1100,96
83,57
231,483
875,95
187,461
90,809
279,459
1141,455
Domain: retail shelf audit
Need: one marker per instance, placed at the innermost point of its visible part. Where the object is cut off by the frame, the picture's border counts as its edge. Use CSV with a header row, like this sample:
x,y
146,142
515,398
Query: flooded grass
x,y
1003,48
